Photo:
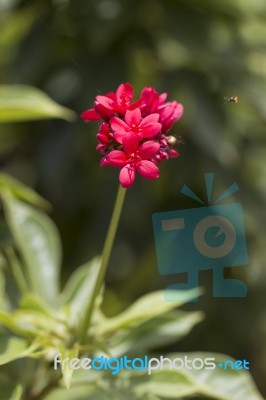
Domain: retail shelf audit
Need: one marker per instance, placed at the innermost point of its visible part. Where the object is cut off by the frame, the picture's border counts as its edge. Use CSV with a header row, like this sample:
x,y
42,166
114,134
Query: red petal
x,y
90,115
149,119
118,136
120,128
106,102
130,143
167,125
149,131
149,149
125,89
104,128
103,162
119,125
170,113
134,105
171,110
162,98
179,110
127,176
105,113
116,158
133,117
111,95
150,99
102,138
148,169
100,147
174,153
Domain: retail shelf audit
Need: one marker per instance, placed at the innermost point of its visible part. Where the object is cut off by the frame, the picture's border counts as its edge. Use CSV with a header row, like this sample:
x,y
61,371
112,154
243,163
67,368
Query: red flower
x,y
150,100
114,102
99,111
133,136
119,101
170,112
144,128
104,138
134,159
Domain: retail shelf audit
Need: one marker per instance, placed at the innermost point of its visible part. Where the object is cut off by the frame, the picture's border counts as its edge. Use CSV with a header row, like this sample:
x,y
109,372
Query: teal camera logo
x,y
211,237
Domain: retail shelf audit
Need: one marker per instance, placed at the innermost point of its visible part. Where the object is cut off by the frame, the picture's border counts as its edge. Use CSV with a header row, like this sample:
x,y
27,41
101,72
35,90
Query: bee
x,y
231,99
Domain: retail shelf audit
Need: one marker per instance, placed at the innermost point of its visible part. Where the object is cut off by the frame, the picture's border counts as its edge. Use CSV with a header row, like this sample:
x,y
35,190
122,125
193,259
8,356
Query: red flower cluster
x,y
133,135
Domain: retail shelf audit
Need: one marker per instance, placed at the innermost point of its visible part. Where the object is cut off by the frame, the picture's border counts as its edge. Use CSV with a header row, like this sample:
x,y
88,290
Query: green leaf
x,y
66,369
164,384
38,241
15,325
34,303
214,384
4,299
220,384
7,388
12,348
145,308
35,319
156,332
33,323
26,103
85,392
98,388
21,191
79,287
76,281
16,395
16,269
2,280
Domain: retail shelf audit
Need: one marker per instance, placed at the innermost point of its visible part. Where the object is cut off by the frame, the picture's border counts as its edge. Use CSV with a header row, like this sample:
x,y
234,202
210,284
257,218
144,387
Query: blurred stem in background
x,y
108,245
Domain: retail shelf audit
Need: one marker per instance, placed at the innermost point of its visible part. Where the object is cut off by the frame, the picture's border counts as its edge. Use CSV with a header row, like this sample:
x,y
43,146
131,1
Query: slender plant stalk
x,y
108,245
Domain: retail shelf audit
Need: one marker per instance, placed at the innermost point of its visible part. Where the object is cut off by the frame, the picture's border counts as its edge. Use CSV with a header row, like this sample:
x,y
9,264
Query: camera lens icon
x,y
214,236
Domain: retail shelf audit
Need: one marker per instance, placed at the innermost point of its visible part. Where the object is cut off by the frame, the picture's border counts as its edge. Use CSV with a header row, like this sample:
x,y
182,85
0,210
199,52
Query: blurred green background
x,y
198,51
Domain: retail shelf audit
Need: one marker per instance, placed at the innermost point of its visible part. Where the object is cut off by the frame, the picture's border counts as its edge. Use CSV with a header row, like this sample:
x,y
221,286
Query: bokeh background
x,y
198,51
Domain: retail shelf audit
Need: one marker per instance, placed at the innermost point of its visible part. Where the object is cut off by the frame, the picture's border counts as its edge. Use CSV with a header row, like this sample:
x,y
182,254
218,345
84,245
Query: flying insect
x,y
231,99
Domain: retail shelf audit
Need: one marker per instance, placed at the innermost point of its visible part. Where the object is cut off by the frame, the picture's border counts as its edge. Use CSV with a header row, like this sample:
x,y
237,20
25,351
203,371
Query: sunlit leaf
x,y
16,326
33,323
75,282
215,384
21,191
79,288
34,303
38,241
156,332
165,384
220,384
145,308
66,369
26,103
13,348
183,383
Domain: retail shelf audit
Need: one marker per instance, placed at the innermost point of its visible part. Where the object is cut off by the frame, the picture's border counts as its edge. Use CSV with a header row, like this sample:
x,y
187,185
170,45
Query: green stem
x,y
108,245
